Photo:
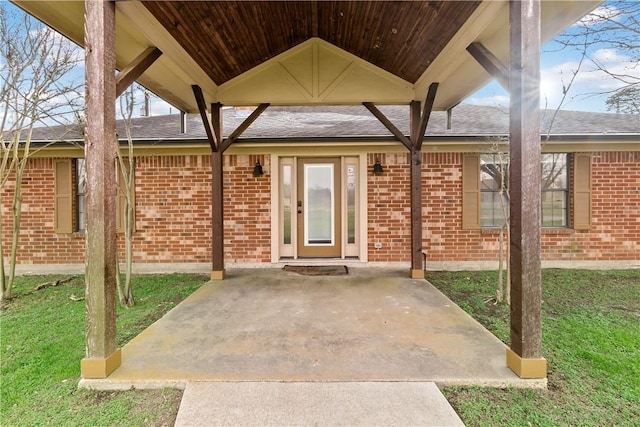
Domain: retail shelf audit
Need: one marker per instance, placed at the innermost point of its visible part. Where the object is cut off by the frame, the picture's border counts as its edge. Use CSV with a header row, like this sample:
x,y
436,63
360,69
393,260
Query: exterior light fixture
x,y
377,168
257,170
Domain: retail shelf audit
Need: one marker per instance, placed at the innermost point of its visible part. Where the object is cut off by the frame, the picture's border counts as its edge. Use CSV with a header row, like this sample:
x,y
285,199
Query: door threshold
x,y
316,260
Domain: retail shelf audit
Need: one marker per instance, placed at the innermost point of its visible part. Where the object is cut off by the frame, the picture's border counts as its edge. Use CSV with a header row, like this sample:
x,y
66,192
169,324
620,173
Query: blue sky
x,y
555,70
557,66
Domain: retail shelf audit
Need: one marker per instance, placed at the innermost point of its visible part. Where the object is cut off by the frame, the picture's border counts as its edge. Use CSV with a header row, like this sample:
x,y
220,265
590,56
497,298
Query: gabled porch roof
x,y
311,52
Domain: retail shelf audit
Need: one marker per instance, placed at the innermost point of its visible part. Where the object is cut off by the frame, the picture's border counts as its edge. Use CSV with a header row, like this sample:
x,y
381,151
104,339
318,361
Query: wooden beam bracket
x,y
243,126
206,120
426,114
387,123
490,63
131,72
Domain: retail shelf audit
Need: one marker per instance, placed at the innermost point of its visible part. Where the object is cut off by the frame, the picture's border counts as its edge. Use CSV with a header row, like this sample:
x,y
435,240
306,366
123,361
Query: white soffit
x,y
171,75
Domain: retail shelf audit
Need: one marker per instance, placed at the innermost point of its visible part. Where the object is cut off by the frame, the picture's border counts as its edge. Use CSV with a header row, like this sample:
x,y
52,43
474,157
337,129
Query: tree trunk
x,y
508,285
500,292
129,243
16,218
3,279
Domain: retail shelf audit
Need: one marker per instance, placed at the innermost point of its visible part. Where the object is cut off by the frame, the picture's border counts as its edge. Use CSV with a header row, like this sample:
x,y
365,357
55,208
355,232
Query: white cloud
x,y
493,101
599,15
609,56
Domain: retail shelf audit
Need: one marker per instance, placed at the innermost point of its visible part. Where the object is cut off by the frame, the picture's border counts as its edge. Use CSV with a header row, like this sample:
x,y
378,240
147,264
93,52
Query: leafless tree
x,y
126,168
498,173
37,88
612,31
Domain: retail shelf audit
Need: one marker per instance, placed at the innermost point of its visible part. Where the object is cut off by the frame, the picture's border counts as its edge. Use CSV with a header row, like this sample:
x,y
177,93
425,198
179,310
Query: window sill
x,y
557,230
545,230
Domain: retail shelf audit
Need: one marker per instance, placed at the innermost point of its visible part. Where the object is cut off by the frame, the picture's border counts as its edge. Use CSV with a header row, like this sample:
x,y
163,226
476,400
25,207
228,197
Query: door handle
x,y
299,206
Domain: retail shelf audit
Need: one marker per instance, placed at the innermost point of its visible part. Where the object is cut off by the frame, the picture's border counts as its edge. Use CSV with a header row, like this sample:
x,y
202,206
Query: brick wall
x,y
443,236
173,208
615,231
247,210
389,208
615,234
38,244
173,212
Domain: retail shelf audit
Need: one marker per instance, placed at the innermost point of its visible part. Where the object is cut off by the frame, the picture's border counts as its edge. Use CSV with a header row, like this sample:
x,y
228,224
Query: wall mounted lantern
x,y
257,170
377,168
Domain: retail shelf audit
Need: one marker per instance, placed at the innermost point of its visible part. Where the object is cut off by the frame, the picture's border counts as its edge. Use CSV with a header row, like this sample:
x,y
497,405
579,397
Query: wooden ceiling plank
x,y
244,126
314,18
139,65
490,63
388,124
206,120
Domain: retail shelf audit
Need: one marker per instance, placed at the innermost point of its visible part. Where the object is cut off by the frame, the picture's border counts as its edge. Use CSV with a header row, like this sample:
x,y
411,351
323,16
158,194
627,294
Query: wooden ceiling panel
x,y
402,37
228,38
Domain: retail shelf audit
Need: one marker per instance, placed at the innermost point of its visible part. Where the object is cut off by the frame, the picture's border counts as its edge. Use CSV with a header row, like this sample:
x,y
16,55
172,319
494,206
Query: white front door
x,y
320,213
318,208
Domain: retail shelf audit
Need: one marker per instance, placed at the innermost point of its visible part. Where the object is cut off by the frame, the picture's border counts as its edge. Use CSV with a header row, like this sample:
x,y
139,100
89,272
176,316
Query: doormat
x,y
318,270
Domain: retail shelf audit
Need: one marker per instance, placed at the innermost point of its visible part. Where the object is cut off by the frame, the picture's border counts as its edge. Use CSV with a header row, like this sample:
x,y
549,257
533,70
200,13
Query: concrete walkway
x,y
314,404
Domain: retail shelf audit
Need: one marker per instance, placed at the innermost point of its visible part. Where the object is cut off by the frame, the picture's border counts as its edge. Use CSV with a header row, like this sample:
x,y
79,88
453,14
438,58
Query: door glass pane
x,y
351,204
286,204
318,204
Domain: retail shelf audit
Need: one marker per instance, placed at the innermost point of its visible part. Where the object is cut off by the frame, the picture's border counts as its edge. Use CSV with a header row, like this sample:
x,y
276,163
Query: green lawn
x,y
591,340
42,342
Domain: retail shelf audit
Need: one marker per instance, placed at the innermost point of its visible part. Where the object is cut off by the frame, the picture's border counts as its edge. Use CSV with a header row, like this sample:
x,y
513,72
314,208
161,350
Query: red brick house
x,y
320,197
590,208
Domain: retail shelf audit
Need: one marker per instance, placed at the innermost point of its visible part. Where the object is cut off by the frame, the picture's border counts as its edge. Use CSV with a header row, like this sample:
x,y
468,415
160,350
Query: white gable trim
x,y
316,72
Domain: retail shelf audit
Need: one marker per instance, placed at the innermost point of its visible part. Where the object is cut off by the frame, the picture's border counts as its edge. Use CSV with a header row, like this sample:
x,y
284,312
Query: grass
x,y
42,342
591,340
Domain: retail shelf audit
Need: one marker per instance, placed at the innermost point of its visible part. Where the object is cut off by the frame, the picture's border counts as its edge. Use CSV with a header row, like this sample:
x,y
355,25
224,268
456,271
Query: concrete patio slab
x,y
270,325
314,404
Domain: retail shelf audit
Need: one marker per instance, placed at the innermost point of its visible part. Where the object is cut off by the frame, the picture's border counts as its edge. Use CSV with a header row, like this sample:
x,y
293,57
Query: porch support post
x,y
217,207
417,271
418,124
525,355
102,356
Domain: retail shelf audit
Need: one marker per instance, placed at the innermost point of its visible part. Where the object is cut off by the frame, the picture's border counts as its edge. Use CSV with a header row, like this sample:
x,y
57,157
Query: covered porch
x,y
273,325
203,55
